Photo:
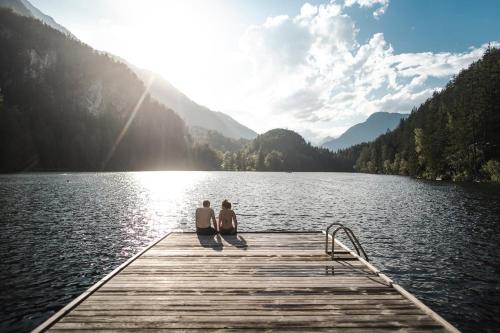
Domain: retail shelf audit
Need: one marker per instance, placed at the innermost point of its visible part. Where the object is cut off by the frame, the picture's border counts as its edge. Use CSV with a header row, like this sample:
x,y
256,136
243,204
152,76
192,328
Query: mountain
x,y
283,150
25,8
378,123
325,140
216,141
66,106
454,135
194,115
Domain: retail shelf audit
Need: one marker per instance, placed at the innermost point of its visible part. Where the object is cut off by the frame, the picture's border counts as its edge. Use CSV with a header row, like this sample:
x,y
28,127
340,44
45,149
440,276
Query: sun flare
x,y
164,193
174,39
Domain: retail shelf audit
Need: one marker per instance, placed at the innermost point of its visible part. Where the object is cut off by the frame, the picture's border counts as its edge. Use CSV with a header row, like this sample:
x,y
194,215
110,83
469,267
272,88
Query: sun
x,y
177,39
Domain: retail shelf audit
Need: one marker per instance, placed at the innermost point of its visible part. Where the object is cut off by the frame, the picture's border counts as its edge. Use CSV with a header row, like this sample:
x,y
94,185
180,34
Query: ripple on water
x,y
61,233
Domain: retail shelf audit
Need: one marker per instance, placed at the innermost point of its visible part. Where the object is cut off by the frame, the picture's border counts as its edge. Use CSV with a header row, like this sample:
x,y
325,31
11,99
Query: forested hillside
x,y
68,107
283,150
453,135
25,8
216,140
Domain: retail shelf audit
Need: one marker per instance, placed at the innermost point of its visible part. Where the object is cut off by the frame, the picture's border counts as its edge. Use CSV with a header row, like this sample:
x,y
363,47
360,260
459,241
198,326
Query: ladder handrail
x,y
346,231
355,242
359,245
327,232
350,234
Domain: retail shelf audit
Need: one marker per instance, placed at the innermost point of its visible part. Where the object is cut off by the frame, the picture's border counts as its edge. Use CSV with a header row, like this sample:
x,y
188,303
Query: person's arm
x,y
235,222
220,220
196,218
214,221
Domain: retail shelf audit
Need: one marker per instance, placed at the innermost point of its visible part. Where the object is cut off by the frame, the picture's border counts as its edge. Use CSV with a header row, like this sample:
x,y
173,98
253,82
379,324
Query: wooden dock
x,y
279,282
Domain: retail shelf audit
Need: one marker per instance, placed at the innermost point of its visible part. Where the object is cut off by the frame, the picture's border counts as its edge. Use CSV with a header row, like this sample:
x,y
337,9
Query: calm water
x,y
60,233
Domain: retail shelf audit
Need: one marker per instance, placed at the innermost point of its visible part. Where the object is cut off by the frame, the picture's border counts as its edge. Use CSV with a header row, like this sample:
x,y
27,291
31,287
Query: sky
x,y
315,67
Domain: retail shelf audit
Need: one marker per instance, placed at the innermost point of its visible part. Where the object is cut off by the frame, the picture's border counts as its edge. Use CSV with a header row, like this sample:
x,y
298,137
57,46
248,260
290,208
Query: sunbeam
x,y
127,124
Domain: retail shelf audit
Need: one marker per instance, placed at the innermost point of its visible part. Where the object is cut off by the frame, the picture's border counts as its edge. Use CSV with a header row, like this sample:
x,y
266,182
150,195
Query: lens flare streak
x,y
129,122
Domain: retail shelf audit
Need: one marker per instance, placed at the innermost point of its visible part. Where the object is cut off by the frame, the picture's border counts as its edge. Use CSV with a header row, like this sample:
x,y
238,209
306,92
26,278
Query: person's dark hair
x,y
206,203
226,204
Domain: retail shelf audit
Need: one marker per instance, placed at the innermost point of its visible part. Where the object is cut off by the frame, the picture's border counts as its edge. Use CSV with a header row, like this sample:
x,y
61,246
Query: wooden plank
x,y
267,282
288,327
287,330
405,293
61,313
264,323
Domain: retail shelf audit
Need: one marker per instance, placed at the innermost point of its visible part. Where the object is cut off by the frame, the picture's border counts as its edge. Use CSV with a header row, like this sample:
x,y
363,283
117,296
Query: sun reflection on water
x,y
166,196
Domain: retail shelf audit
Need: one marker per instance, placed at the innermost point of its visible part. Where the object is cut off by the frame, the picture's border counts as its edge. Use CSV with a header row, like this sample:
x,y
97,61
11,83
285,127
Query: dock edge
x,y
66,309
405,293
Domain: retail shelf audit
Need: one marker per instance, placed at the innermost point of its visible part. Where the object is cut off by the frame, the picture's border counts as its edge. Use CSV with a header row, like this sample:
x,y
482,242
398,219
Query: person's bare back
x,y
203,217
226,219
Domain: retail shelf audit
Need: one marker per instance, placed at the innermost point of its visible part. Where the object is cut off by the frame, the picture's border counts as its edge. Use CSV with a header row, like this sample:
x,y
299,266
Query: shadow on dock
x,y
211,241
216,242
236,241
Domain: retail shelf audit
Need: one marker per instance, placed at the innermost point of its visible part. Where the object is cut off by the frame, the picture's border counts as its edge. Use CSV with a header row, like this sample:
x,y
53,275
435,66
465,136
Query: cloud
x,y
311,73
381,4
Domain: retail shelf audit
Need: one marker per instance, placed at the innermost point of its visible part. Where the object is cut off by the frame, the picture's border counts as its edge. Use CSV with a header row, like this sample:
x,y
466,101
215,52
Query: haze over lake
x,y
60,233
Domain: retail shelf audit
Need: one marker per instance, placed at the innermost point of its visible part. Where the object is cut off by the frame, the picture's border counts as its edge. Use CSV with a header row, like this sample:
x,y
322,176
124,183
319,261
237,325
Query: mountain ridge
x,y
193,114
376,124
25,8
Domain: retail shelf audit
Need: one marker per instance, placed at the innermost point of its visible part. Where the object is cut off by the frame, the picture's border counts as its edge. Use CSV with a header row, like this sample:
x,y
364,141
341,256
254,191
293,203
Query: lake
x,y
61,233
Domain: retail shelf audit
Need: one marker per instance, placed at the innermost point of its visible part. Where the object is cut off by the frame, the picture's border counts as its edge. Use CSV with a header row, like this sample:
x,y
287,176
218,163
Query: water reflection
x,y
167,197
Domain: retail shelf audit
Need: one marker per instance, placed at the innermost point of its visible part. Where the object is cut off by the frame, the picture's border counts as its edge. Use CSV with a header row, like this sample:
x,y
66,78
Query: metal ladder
x,y
354,241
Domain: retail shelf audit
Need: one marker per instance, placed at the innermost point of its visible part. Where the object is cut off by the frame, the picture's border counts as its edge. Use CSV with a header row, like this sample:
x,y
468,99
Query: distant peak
x,y
377,123
282,132
383,115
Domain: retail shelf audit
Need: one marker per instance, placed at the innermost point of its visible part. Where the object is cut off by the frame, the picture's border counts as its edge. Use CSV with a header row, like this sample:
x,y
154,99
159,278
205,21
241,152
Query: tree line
x,y
454,135
280,150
